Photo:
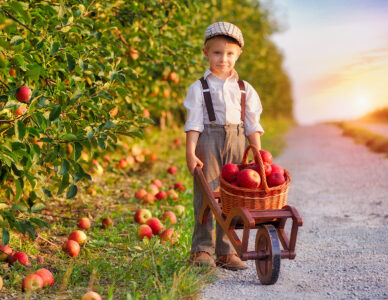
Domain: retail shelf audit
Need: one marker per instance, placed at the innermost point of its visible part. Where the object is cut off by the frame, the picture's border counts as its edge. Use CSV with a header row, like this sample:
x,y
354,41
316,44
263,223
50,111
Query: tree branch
x,y
16,20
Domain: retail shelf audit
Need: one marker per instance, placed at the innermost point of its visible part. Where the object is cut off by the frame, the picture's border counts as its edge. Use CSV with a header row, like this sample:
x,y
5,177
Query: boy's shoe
x,y
231,262
202,258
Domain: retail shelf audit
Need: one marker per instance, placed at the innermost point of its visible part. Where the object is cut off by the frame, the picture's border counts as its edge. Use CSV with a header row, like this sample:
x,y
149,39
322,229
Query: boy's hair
x,y
227,38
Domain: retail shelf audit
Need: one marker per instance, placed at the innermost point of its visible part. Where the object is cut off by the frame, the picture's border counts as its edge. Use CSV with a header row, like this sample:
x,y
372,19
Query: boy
x,y
221,113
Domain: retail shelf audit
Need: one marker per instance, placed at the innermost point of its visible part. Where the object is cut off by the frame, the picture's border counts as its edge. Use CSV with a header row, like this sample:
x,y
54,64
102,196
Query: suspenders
x,y
209,103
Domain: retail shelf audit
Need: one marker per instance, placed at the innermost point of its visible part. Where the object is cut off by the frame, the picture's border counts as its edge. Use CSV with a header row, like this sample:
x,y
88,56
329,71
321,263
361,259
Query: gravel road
x,y
341,190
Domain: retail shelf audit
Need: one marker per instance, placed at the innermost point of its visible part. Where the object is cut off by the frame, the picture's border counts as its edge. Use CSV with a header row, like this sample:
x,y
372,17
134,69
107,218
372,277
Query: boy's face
x,y
222,56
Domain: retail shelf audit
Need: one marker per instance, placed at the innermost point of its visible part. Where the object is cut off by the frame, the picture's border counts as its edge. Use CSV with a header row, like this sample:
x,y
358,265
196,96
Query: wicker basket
x,y
261,198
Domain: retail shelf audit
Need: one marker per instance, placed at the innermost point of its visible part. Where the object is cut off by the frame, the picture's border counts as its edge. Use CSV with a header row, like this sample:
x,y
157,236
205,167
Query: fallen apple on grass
x,y
158,183
168,235
91,296
20,257
46,275
169,216
5,252
143,231
155,225
140,194
83,223
149,198
142,215
179,209
106,222
78,236
172,170
161,195
71,247
32,283
172,194
179,187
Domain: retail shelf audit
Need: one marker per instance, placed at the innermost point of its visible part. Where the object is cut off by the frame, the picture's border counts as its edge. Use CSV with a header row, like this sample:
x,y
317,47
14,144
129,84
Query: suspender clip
x,y
213,123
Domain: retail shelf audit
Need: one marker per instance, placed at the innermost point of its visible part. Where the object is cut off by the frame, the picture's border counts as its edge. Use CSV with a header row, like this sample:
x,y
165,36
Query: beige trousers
x,y
216,147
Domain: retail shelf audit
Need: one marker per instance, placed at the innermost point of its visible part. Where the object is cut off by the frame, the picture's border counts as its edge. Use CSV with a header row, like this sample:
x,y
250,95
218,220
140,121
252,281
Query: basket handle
x,y
259,162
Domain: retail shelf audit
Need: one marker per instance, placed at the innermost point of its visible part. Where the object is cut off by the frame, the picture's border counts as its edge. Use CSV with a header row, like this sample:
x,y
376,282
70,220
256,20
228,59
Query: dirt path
x,y
341,192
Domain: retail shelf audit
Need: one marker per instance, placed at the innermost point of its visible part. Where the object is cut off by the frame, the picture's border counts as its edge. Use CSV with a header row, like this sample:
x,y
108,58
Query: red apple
x,y
234,183
106,222
20,110
83,223
21,257
46,275
140,194
229,172
71,247
266,156
172,194
277,169
267,168
168,235
142,215
5,252
172,170
40,259
161,195
149,198
123,163
177,142
248,178
157,183
78,236
170,216
32,283
107,157
275,179
23,94
179,186
153,189
155,225
92,192
143,231
91,296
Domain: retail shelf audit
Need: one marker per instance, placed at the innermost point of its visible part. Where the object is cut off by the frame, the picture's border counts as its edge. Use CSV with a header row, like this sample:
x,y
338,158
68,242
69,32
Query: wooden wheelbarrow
x,y
270,225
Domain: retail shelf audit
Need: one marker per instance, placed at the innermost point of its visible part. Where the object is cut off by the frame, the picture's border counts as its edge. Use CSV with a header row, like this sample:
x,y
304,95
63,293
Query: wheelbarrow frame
x,y
247,219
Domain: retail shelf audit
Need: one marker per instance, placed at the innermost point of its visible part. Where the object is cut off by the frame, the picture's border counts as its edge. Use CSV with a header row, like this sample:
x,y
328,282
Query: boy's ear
x,y
205,52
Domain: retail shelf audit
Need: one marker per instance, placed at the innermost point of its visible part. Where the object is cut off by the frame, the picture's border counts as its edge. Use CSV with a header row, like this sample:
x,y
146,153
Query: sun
x,y
362,104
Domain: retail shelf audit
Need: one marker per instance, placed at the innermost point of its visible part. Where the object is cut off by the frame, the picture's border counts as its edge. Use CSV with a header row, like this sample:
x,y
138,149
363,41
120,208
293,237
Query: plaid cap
x,y
224,28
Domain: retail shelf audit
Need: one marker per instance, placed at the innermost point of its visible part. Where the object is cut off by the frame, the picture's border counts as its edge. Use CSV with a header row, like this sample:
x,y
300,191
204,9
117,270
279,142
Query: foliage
x,y
379,115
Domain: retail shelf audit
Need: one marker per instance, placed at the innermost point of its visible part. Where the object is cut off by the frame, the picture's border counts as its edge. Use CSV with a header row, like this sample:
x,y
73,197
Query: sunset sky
x,y
336,53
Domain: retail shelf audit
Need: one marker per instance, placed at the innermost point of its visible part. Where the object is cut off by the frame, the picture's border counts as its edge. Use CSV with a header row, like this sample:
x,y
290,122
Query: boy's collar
x,y
233,76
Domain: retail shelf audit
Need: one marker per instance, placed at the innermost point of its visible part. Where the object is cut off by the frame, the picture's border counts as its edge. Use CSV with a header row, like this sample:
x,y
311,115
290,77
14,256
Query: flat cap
x,y
224,28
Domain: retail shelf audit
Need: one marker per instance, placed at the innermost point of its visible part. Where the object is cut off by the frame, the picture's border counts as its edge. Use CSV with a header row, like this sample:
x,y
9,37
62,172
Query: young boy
x,y
221,112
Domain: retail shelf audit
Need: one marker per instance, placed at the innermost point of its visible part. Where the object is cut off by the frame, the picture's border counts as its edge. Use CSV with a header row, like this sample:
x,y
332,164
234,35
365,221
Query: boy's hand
x,y
192,161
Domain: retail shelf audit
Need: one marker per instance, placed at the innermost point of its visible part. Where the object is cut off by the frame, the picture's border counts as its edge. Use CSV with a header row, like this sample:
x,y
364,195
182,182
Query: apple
x,y
20,110
229,172
153,189
133,53
146,113
5,252
248,178
179,209
142,215
123,163
168,235
149,198
84,156
172,194
166,93
277,169
23,94
267,168
32,283
179,186
143,231
155,225
71,247
106,222
1,283
21,257
178,142
140,158
12,73
172,170
136,150
152,157
157,183
140,194
266,156
91,296
114,111
78,236
275,179
92,192
46,275
130,160
170,216
107,157
40,259
83,223
161,195
234,183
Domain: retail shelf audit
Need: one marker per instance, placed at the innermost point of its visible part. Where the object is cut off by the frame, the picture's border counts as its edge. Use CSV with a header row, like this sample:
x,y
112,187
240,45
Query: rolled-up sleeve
x,y
194,108
253,110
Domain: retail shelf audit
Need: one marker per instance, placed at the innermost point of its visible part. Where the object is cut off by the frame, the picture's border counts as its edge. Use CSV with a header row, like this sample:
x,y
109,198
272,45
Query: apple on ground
x,y
275,179
248,178
149,198
179,209
178,142
168,235
83,223
123,163
136,150
78,236
142,215
107,157
40,259
140,158
266,156
277,169
179,186
172,170
158,183
229,172
92,192
91,296
5,252
130,160
21,257
140,194
153,189
143,231
152,157
23,94
172,194
32,283
106,222
161,195
71,247
155,225
170,216
46,275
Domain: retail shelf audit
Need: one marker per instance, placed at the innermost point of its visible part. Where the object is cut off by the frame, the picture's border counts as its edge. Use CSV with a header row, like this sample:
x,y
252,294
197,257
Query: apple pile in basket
x,y
249,176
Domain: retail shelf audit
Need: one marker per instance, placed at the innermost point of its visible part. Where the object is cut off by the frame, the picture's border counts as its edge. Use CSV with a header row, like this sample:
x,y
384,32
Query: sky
x,y
336,54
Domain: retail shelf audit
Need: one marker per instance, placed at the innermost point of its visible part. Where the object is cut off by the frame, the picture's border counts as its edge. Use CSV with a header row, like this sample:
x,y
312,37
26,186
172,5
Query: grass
x,y
114,262
375,142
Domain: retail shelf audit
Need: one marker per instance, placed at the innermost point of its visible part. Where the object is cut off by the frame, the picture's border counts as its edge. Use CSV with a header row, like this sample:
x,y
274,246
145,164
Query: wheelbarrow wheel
x,y
267,242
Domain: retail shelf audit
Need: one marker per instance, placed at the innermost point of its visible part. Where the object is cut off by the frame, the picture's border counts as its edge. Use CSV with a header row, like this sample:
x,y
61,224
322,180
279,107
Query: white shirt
x,y
226,98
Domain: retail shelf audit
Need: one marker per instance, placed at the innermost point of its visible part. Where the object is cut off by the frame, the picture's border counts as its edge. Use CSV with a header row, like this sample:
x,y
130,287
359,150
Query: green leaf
x,y
40,223
70,62
38,207
30,229
5,237
54,114
20,130
71,192
69,137
64,167
16,40
78,150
